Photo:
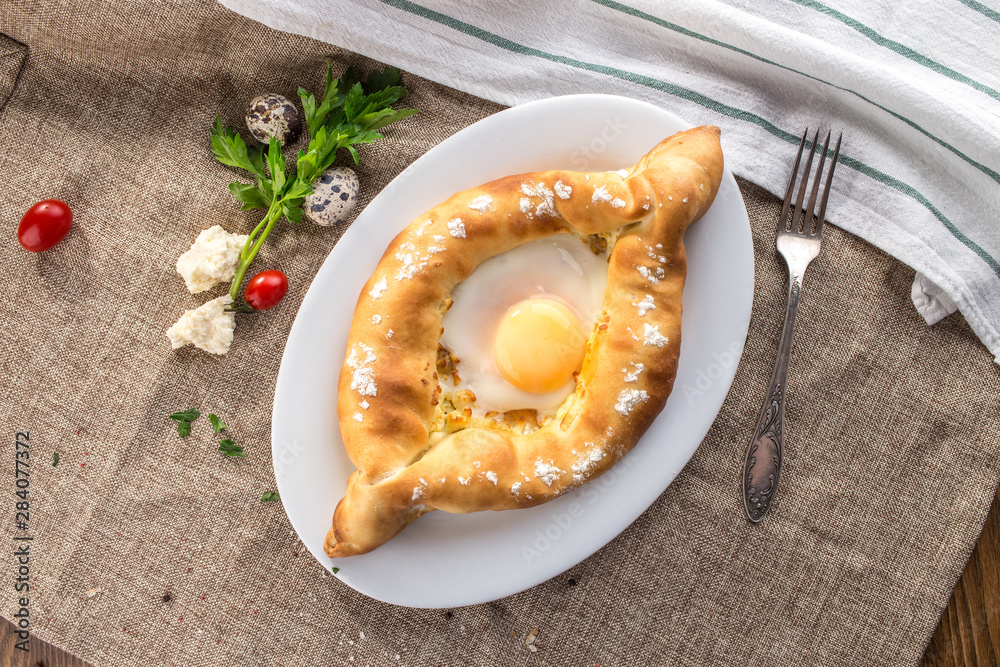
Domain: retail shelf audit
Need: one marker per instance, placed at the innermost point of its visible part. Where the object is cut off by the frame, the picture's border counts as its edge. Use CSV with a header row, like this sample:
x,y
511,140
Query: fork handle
x,y
762,466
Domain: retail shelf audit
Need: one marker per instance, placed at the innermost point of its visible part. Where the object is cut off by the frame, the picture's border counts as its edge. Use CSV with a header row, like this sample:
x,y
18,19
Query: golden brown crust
x,y
389,391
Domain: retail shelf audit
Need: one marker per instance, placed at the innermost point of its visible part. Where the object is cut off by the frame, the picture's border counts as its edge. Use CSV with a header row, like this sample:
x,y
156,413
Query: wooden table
x,y
969,631
968,634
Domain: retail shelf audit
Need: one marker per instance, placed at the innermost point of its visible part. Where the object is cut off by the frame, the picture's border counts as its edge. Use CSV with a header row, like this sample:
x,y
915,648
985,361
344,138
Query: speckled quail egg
x,y
333,198
271,115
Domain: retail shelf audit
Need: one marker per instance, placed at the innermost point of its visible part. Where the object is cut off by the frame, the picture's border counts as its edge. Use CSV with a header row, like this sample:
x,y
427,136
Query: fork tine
x,y
826,188
783,218
797,213
807,221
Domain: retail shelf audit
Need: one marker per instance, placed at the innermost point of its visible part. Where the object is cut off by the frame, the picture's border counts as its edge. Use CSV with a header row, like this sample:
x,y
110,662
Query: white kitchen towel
x,y
914,86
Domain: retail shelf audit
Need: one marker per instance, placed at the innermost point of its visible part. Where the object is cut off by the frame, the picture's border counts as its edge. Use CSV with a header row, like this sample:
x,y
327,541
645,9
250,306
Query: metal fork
x,y
799,236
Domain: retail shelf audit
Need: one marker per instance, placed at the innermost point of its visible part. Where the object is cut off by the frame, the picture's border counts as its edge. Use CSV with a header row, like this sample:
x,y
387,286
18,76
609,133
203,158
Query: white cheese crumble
x,y
633,375
515,488
651,336
525,205
456,228
363,378
211,260
464,480
364,404
481,204
645,305
389,334
601,194
652,254
412,262
439,239
379,289
628,399
547,204
208,327
685,200
622,172
409,268
617,203
492,476
358,417
417,493
547,472
376,319
563,190
586,464
647,274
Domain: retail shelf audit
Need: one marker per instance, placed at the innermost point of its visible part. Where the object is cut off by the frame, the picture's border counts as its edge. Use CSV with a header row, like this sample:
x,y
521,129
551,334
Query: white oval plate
x,y
449,560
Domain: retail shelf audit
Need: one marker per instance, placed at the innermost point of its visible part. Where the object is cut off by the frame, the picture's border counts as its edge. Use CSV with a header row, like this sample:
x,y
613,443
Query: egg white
x,y
561,267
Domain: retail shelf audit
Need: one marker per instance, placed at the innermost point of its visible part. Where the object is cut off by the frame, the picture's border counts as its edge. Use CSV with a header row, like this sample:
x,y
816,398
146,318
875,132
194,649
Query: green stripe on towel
x,y
691,96
638,13
896,47
982,9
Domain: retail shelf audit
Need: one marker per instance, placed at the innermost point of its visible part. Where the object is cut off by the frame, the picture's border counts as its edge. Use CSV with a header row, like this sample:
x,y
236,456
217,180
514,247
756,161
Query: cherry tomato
x,y
266,289
44,225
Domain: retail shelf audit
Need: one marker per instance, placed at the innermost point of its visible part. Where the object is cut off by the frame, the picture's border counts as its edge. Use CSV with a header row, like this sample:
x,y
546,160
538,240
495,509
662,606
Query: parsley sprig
x,y
350,112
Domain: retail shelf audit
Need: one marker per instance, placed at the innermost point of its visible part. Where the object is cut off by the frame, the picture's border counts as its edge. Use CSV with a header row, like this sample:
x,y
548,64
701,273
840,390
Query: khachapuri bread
x,y
546,392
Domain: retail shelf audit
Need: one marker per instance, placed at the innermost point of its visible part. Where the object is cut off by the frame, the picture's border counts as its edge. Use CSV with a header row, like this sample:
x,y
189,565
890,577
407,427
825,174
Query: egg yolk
x,y
539,344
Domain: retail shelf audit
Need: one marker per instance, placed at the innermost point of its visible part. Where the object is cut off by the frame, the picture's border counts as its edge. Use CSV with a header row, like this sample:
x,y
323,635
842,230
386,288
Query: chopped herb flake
x,y
217,424
230,448
188,415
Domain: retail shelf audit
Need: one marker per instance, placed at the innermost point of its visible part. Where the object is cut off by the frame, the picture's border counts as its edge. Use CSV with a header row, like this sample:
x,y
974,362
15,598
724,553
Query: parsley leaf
x,y
217,424
381,80
188,415
230,448
251,196
55,459
276,165
184,420
335,570
269,496
231,150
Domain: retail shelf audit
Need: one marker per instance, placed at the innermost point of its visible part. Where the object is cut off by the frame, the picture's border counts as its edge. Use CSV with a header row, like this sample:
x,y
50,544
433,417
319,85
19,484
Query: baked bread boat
x,y
417,445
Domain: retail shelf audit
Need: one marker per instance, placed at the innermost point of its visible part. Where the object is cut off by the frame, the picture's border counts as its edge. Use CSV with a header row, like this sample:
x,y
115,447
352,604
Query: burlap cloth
x,y
892,425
